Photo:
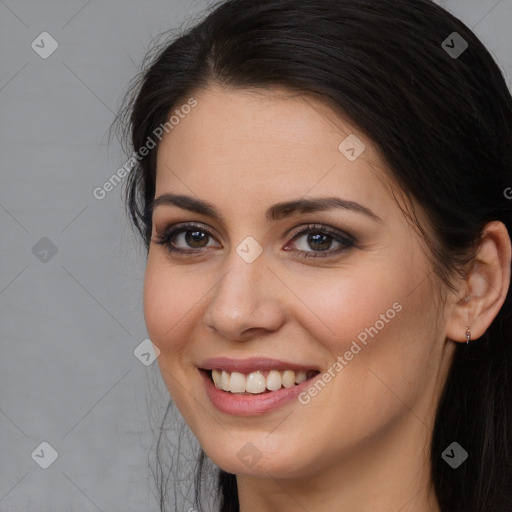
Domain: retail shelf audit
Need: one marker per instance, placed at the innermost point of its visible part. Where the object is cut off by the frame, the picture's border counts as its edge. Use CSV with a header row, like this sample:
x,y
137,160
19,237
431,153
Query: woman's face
x,y
358,312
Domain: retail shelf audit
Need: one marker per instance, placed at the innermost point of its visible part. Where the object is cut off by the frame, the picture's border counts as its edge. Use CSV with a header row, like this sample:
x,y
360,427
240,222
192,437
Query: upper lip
x,y
252,364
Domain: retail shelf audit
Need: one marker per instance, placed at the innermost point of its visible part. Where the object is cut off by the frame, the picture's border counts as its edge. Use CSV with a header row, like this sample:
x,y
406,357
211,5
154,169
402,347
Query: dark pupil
x,y
319,240
195,236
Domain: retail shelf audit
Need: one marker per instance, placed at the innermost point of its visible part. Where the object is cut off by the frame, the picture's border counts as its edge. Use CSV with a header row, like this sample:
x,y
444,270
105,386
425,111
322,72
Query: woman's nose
x,y
247,298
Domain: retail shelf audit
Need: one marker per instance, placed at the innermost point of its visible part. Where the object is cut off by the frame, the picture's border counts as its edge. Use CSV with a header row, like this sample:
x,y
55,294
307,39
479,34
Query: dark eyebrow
x,y
275,212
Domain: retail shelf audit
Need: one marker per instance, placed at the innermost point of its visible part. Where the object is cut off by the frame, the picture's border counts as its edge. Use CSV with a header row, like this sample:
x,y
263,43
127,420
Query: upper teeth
x,y
256,382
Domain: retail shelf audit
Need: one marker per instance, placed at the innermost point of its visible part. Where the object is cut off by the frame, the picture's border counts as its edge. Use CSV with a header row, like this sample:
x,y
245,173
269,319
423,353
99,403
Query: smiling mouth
x,y
258,382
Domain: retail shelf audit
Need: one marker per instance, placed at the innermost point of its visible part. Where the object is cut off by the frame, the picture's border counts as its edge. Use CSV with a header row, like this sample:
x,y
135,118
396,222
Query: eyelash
x,y
346,240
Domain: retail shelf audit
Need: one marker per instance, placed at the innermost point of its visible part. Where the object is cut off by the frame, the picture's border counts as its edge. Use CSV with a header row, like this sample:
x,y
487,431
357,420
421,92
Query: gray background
x,y
70,321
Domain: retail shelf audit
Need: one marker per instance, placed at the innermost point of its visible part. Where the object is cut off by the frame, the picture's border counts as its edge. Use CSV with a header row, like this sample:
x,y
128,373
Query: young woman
x,y
324,191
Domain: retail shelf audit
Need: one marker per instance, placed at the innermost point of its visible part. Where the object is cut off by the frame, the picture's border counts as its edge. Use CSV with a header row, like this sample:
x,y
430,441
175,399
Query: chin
x,y
264,468
254,459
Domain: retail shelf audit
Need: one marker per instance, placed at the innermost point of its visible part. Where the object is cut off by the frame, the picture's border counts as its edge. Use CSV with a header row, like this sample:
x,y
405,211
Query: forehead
x,y
257,117
263,146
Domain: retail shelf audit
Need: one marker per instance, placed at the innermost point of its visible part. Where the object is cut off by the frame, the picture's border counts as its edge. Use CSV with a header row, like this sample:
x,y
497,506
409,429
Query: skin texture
x,y
361,444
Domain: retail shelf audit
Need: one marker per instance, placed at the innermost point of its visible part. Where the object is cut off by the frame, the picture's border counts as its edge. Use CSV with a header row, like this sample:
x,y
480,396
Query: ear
x,y
486,285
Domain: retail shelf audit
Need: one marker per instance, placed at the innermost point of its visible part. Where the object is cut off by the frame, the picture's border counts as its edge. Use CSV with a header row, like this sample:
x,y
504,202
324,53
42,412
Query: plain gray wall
x,y
69,325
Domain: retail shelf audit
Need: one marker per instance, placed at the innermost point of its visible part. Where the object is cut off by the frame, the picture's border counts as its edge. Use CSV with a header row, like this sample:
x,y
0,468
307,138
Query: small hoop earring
x,y
468,335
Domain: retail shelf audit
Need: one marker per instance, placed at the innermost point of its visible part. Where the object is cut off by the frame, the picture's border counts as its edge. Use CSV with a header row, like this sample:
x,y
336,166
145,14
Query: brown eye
x,y
196,239
320,238
184,239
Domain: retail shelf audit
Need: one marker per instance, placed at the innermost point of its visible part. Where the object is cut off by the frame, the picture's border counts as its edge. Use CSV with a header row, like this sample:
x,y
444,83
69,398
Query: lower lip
x,y
246,405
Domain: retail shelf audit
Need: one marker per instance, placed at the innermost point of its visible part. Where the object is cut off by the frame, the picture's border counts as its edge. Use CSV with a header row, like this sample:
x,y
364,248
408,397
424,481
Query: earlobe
x,y
485,287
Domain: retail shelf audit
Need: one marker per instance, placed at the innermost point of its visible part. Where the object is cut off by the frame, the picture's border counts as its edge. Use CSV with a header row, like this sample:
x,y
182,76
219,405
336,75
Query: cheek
x,y
339,309
379,324
169,298
383,373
